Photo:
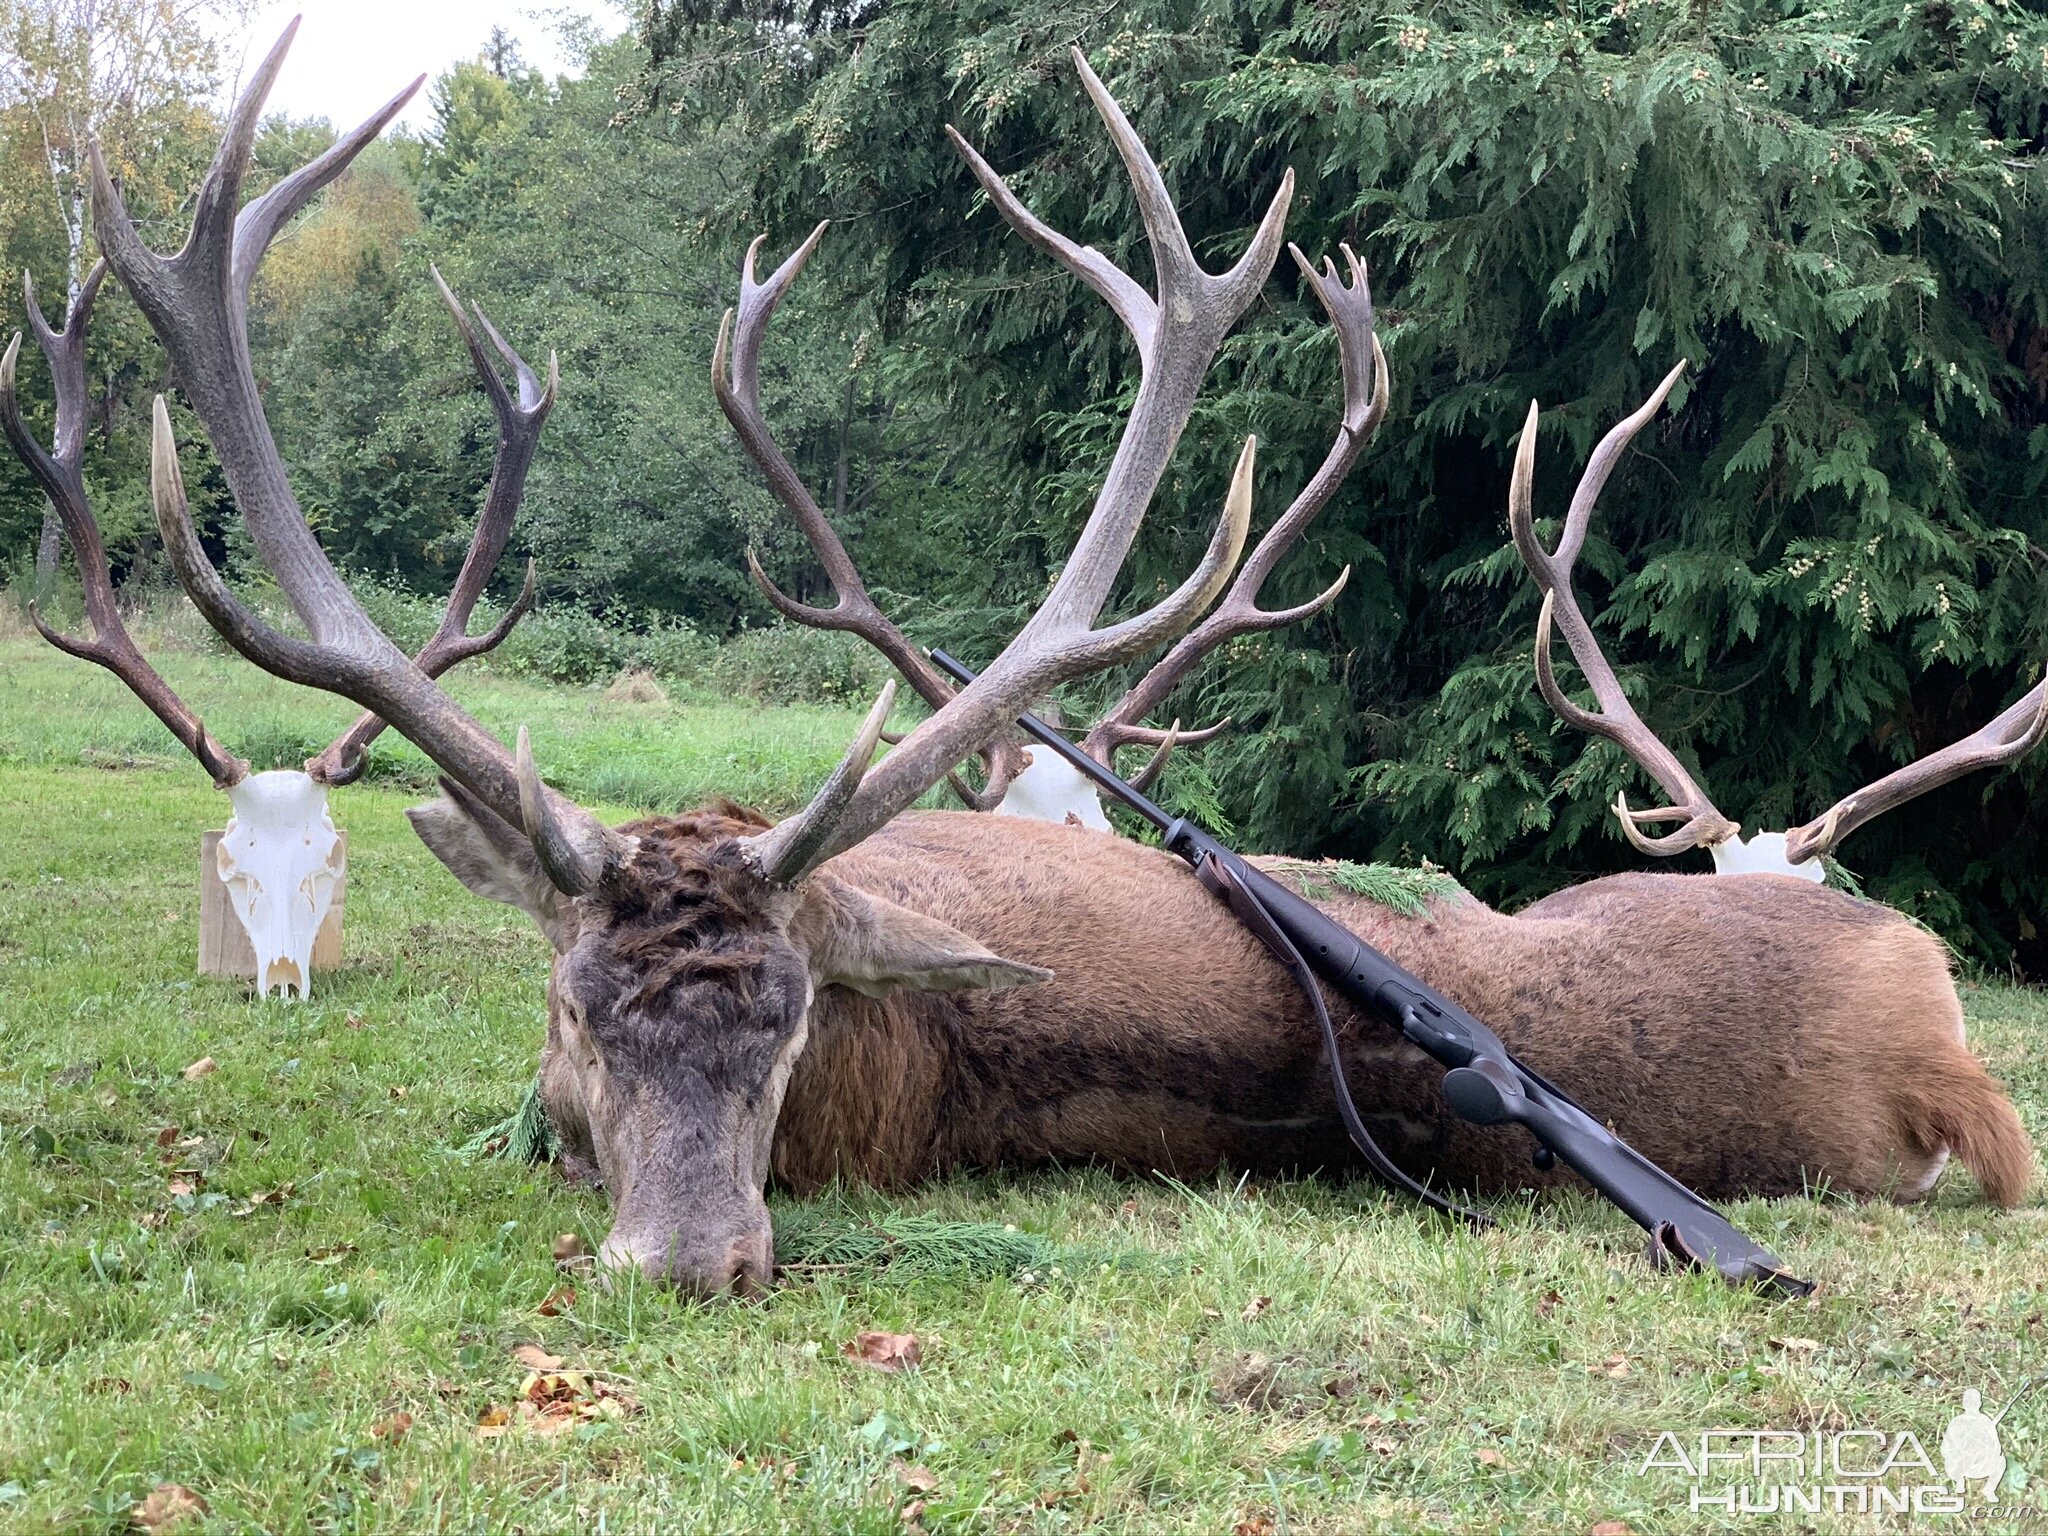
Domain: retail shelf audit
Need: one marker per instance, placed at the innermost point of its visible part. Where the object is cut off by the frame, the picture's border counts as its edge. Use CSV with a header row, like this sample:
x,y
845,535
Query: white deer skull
x,y
280,860
1052,789
1763,854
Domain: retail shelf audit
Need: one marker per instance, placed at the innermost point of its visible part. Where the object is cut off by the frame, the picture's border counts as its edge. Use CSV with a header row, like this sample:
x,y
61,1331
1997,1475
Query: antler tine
x,y
195,302
790,850
1177,331
736,381
2007,739
59,471
1116,288
575,852
1616,719
259,223
1363,364
519,420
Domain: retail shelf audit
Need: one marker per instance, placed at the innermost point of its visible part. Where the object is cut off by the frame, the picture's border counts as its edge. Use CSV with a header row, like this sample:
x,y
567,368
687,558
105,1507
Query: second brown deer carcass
x,y
861,992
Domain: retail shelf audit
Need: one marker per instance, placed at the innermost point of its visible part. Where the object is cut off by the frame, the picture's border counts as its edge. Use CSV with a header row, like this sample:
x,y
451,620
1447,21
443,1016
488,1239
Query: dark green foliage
x,y
526,1135
1405,889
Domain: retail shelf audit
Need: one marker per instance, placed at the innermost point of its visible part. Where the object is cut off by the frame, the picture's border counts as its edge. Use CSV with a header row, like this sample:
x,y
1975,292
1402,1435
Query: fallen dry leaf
x,y
399,1090
1614,1367
1793,1346
534,1358
169,1505
393,1427
916,1479
354,1021
557,1301
167,1137
276,1196
1257,1525
1611,1528
555,1403
1548,1303
1489,1457
570,1245
203,1067
179,1187
913,1513
884,1351
1254,1307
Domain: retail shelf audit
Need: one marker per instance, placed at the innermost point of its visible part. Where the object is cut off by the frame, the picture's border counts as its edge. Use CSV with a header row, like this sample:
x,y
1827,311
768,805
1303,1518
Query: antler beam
x,y
736,381
59,470
519,416
2007,739
196,303
1617,719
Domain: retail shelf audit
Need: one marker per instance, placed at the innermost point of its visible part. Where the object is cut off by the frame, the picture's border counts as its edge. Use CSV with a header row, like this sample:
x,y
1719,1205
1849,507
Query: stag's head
x,y
680,1002
688,951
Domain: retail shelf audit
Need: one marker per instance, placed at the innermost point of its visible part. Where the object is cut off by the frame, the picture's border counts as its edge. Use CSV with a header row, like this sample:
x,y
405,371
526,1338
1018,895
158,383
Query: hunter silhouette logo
x,y
1970,1452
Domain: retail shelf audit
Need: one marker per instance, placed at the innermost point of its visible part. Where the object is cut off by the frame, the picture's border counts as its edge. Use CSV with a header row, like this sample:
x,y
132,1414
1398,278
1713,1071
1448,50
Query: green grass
x,y
249,1348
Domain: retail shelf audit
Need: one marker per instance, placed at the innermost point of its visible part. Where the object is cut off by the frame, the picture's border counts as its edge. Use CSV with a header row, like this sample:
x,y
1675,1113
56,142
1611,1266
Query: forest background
x,y
1826,557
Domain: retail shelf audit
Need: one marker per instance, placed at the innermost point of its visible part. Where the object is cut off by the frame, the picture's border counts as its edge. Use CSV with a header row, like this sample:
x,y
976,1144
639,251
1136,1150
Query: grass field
x,y
272,1284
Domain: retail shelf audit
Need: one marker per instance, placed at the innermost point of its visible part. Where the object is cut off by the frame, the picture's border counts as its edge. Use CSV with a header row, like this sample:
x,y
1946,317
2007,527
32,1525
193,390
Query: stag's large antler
x,y
1617,719
1364,367
59,470
196,302
736,381
519,416
1177,334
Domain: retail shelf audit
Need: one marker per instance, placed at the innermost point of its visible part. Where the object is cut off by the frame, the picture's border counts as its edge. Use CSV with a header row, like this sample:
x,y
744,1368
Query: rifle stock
x,y
1485,1085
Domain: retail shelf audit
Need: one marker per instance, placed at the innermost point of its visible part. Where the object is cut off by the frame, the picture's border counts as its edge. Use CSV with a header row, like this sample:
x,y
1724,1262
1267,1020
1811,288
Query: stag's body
x,y
1169,1039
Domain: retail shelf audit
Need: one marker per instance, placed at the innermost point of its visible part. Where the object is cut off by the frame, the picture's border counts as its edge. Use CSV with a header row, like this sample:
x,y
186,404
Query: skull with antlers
x,y
1798,852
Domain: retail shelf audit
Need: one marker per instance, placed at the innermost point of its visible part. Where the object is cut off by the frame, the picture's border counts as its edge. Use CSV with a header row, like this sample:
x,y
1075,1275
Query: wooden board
x,y
224,948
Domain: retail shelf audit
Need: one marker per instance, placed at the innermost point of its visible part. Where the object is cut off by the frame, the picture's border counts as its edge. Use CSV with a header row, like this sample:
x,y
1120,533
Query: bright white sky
x,y
352,56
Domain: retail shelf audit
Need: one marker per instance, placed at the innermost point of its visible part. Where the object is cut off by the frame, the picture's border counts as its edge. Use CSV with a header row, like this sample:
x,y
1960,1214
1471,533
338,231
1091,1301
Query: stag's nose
x,y
745,1266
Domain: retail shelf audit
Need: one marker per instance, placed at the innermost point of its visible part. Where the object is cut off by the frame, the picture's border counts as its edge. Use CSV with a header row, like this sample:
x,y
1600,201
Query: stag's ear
x,y
494,859
869,943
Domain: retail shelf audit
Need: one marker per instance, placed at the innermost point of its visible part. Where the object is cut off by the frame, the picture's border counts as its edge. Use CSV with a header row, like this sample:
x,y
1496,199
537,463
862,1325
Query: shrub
x,y
789,665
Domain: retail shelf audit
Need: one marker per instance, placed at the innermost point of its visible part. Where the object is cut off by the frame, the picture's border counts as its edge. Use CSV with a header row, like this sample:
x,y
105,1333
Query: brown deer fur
x,y
1752,1034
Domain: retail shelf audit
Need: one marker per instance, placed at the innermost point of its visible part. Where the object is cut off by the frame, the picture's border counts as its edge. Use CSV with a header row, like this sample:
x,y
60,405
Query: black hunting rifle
x,y
1485,1085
